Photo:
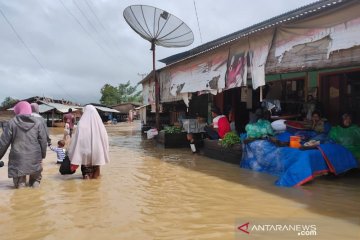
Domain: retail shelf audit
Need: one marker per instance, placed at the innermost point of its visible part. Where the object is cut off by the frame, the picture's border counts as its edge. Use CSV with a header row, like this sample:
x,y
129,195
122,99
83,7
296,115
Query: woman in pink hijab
x,y
28,139
90,145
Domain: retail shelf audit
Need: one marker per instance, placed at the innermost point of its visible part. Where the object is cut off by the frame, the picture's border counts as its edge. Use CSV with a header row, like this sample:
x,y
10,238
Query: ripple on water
x,y
147,192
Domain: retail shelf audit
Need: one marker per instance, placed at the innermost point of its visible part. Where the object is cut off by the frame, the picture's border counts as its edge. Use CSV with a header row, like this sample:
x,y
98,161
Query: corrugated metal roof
x,y
50,106
60,107
126,103
42,108
45,108
137,108
291,16
106,109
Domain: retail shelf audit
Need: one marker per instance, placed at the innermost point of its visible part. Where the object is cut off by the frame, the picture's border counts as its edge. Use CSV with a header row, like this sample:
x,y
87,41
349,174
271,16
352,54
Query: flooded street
x,y
148,192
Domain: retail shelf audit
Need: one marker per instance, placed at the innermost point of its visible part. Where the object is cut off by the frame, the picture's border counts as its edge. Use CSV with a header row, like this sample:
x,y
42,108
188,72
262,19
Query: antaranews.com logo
x,y
298,229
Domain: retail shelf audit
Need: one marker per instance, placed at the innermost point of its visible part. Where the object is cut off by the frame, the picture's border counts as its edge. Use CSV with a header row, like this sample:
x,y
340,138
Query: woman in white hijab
x,y
90,145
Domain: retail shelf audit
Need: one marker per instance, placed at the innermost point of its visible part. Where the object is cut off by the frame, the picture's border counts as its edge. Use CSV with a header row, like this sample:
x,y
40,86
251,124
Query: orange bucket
x,y
295,141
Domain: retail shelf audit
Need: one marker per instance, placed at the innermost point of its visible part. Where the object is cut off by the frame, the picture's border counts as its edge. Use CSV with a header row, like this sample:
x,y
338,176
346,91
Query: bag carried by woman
x,y
65,167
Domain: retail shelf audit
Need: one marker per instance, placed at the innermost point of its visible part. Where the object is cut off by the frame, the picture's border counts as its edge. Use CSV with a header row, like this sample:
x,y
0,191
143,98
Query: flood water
x,y
148,192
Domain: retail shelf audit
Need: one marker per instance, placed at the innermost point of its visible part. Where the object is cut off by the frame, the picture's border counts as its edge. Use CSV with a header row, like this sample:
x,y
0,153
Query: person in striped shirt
x,y
60,151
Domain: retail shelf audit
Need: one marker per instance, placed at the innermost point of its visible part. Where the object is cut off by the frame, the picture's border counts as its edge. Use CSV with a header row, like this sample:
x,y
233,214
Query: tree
x,y
111,95
8,101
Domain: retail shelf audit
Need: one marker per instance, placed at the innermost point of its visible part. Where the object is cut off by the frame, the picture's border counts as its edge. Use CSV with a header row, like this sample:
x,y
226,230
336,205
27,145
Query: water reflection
x,y
148,192
22,216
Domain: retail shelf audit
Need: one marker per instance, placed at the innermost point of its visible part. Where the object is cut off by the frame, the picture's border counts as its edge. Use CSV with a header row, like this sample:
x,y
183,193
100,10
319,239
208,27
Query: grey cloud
x,y
76,67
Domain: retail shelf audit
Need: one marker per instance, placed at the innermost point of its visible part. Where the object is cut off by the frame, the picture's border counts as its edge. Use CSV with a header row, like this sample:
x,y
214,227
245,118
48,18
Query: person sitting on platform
x,y
347,134
316,123
229,113
220,125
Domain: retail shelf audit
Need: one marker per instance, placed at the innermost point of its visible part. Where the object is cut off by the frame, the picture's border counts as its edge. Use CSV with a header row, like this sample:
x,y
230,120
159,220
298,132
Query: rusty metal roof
x,y
304,12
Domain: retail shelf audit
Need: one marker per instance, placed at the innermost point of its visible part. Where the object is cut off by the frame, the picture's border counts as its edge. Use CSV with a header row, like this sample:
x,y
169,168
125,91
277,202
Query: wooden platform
x,y
173,140
213,149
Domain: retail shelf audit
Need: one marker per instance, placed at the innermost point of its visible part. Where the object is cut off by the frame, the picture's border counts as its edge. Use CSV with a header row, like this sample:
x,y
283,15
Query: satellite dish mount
x,y
161,28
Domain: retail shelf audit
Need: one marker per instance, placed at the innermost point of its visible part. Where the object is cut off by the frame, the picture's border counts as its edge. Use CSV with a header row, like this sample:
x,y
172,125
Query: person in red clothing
x,y
70,119
220,125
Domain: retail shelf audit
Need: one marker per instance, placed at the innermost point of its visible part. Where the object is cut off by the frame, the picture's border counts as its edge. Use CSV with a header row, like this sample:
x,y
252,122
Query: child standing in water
x,y
60,151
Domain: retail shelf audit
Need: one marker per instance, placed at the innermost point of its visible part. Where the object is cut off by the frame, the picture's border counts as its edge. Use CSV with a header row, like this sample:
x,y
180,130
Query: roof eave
x,y
285,18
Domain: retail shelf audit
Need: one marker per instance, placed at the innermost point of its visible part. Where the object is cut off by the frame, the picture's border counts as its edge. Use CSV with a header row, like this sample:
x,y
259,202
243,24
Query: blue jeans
x,y
212,133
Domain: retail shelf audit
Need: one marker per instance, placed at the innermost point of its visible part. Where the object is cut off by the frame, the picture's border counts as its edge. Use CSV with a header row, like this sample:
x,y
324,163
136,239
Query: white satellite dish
x,y
158,26
161,28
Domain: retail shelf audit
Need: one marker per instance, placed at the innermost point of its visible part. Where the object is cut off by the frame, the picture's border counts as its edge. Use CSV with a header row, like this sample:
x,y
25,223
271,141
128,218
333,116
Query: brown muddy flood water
x,y
148,192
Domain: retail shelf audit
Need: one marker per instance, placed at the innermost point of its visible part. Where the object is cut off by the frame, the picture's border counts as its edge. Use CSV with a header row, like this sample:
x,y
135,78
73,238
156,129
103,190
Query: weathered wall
x,y
310,56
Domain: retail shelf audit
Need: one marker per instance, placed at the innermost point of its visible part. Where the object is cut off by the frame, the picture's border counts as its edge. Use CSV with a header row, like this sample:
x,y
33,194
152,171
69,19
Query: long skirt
x,y
90,172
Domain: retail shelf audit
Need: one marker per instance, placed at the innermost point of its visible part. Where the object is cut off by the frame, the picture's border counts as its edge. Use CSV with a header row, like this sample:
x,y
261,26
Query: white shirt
x,y
216,121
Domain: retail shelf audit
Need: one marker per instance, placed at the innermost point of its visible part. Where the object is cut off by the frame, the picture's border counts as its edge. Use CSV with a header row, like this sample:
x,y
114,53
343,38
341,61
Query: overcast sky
x,y
74,47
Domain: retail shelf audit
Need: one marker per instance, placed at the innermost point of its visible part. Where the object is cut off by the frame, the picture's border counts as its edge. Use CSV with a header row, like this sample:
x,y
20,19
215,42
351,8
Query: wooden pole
x,y
52,118
157,90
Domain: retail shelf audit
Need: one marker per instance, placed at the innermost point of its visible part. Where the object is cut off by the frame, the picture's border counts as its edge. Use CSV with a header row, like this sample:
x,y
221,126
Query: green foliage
x,y
8,101
111,95
174,129
230,139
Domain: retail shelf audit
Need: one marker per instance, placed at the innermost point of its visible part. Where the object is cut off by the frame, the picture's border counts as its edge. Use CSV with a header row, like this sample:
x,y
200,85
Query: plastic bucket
x,y
295,141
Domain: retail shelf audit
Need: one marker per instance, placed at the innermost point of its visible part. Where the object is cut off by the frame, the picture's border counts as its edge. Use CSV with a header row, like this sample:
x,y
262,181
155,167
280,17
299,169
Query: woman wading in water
x,y
90,145
27,136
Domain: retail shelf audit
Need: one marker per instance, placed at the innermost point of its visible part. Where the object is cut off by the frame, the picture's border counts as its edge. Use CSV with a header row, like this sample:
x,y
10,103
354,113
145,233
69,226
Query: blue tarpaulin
x,y
295,167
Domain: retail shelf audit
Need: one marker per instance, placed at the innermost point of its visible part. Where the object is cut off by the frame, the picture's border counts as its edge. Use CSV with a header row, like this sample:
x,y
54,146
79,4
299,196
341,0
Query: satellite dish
x,y
161,28
158,26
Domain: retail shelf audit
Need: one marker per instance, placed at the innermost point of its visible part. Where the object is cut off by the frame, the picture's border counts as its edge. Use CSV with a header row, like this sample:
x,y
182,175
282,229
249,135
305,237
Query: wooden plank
x,y
214,150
